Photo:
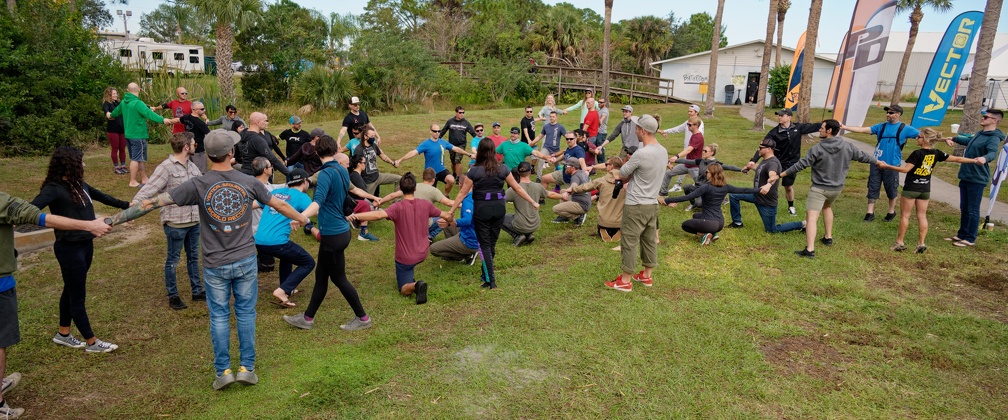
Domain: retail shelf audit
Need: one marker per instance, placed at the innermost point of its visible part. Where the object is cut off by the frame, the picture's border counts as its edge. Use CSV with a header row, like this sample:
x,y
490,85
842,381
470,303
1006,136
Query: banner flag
x,y
946,67
794,80
860,60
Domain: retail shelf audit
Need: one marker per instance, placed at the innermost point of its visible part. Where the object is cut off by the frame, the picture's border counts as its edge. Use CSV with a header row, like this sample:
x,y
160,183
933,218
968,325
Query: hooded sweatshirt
x,y
135,113
984,143
830,160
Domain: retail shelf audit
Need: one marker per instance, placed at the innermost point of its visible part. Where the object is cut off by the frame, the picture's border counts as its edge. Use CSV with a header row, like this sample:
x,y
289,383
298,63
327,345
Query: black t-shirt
x,y
358,181
370,151
527,127
114,125
488,187
196,126
923,160
351,120
295,140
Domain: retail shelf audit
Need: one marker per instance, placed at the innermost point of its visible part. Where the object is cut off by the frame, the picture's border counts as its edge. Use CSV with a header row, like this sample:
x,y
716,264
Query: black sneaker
x,y
869,217
201,296
805,253
580,220
734,225
176,303
889,217
519,240
561,219
542,200
529,238
470,260
827,241
421,293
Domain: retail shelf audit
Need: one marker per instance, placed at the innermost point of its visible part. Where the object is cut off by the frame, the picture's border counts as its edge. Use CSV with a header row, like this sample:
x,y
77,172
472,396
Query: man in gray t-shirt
x,y
573,206
603,128
639,229
525,220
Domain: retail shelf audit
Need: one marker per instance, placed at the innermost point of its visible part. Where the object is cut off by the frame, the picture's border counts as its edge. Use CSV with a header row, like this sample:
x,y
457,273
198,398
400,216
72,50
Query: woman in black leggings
x,y
710,221
330,196
66,194
486,180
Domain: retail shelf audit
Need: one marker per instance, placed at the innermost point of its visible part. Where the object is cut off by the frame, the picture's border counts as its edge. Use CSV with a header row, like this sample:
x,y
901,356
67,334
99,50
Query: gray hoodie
x,y
830,160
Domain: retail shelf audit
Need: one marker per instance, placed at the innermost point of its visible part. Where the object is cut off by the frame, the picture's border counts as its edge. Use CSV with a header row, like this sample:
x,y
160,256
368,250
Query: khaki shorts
x,y
558,178
819,198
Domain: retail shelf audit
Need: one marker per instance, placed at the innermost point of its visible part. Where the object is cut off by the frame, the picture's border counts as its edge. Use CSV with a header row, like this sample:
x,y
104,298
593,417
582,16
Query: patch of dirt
x,y
804,355
127,234
988,280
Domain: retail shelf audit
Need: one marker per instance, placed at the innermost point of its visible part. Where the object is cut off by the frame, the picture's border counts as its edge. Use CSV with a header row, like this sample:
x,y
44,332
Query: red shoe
x,y
617,285
646,281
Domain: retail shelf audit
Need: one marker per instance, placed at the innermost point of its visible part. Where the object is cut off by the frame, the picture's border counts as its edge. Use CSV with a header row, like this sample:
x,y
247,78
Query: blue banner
x,y
946,67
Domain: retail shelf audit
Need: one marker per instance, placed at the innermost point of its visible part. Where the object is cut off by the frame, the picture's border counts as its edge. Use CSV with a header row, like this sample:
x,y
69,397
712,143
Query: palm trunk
x,y
605,49
225,77
780,37
712,72
915,17
11,5
811,33
981,63
765,67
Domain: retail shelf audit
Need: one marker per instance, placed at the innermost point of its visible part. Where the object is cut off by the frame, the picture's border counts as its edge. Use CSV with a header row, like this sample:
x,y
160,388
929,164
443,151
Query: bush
x,y
264,86
780,77
324,88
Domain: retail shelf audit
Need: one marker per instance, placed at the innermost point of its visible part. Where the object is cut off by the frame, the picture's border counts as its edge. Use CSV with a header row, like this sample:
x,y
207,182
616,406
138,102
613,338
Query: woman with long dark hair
x,y
115,130
330,195
710,221
66,194
486,180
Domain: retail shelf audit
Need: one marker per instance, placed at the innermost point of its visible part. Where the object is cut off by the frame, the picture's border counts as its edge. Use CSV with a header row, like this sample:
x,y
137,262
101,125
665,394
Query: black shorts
x,y
789,179
10,333
440,177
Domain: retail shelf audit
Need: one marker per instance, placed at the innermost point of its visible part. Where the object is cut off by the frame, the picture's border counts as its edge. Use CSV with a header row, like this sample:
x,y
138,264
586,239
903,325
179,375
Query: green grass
x,y
742,328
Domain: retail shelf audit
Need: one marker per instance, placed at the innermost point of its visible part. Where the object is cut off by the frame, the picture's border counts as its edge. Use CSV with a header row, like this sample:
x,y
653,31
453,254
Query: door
x,y
752,87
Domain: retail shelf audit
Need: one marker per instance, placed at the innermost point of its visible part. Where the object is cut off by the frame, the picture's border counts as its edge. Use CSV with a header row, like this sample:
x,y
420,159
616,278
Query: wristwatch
x,y
108,221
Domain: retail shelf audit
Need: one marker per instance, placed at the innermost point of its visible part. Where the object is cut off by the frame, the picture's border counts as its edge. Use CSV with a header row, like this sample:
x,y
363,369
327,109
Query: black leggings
x,y
699,225
488,217
332,266
74,259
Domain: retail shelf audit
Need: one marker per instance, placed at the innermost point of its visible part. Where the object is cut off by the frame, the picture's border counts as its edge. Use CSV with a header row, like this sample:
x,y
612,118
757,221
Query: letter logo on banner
x,y
794,79
946,67
860,60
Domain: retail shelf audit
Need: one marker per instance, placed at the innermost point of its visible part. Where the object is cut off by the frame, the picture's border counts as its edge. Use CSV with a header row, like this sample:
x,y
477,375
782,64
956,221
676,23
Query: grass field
x,y
742,328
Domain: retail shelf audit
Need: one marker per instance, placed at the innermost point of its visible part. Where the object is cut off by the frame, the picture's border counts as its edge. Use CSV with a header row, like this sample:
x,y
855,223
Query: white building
x,y
737,65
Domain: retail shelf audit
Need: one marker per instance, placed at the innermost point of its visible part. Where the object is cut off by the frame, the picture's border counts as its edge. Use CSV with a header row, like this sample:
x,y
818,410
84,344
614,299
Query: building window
x,y
143,54
179,56
193,51
157,55
125,53
194,59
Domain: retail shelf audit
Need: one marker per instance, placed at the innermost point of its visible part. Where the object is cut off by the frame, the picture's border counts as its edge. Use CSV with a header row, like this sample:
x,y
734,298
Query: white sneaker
x,y
101,347
791,211
8,412
676,188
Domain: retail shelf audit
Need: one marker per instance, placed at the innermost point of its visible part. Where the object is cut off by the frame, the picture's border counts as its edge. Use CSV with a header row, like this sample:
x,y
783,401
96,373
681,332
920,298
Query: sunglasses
x,y
479,131
569,138
689,125
184,93
432,131
200,109
460,112
232,112
890,112
528,112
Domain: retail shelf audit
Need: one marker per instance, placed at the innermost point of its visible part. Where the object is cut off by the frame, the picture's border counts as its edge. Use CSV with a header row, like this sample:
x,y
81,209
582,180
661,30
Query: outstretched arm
x,y
144,207
368,216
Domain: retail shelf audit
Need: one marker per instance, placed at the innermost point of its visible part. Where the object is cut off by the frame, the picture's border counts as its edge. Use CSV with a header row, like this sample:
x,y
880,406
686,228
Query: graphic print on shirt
x,y
926,166
226,202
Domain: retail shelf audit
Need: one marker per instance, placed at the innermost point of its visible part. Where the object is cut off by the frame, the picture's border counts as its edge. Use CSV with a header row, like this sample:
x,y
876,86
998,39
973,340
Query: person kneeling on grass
x,y
410,217
611,197
710,221
917,186
462,246
273,237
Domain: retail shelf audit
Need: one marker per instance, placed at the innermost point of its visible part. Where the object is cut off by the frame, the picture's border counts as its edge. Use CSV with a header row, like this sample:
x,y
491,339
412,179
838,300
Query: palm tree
x,y
12,4
712,72
606,39
981,63
647,38
811,33
340,31
916,14
226,17
765,67
782,8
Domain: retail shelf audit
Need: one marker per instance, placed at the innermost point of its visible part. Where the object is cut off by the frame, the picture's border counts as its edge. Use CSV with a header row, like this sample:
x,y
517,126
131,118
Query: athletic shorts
x,y
819,198
10,333
137,149
917,195
441,176
789,179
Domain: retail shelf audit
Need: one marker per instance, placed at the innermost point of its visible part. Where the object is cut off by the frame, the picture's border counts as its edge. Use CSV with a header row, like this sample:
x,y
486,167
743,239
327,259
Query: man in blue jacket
x,y
461,247
974,178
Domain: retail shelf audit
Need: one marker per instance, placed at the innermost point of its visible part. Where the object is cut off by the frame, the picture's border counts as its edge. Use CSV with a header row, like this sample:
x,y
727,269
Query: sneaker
x,y
735,225
617,285
529,238
963,242
561,219
8,412
689,207
356,324
367,237
869,217
246,377
299,321
676,188
176,303
792,211
715,238
805,253
470,260
826,241
519,240
421,293
580,220
921,249
889,216
542,200
101,347
69,341
223,380
706,239
639,277
10,382
201,296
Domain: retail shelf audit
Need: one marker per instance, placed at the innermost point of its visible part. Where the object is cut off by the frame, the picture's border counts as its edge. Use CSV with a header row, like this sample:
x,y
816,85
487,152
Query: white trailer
x,y
154,57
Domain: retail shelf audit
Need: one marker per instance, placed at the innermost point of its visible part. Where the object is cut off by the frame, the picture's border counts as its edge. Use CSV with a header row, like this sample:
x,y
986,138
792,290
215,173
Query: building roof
x,y
759,42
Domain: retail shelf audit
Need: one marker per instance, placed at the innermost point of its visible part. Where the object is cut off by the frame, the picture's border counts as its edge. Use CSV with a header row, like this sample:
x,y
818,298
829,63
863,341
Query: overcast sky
x,y
746,19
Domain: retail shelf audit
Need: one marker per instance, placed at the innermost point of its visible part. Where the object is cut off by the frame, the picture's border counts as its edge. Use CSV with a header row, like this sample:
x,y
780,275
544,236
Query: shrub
x,y
323,88
778,84
264,86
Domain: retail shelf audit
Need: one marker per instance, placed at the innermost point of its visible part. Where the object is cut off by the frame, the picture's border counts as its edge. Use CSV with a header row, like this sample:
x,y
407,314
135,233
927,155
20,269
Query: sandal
x,y
283,303
921,249
898,247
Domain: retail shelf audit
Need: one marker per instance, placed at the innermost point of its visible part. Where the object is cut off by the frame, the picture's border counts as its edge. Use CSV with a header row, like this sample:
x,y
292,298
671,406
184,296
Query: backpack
x,y
898,131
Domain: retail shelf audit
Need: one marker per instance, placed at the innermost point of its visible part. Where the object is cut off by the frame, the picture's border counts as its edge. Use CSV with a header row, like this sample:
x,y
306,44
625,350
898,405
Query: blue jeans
x,y
240,279
970,196
290,254
294,166
177,239
433,230
767,213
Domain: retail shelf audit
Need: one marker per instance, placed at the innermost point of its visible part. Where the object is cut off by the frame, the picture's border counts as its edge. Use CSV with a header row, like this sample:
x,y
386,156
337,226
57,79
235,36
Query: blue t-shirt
x,y
352,145
473,144
552,134
274,228
433,151
574,152
330,193
890,149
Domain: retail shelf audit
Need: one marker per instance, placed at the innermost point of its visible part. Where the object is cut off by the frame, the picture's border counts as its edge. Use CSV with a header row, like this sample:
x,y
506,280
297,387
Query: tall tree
x,y
712,72
646,38
782,8
693,34
765,67
981,64
12,4
606,47
176,22
341,30
811,33
916,14
565,33
227,17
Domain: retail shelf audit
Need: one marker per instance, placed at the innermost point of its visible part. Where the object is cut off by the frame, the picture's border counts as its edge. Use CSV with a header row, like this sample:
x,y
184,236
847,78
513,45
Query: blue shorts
x,y
137,149
404,274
